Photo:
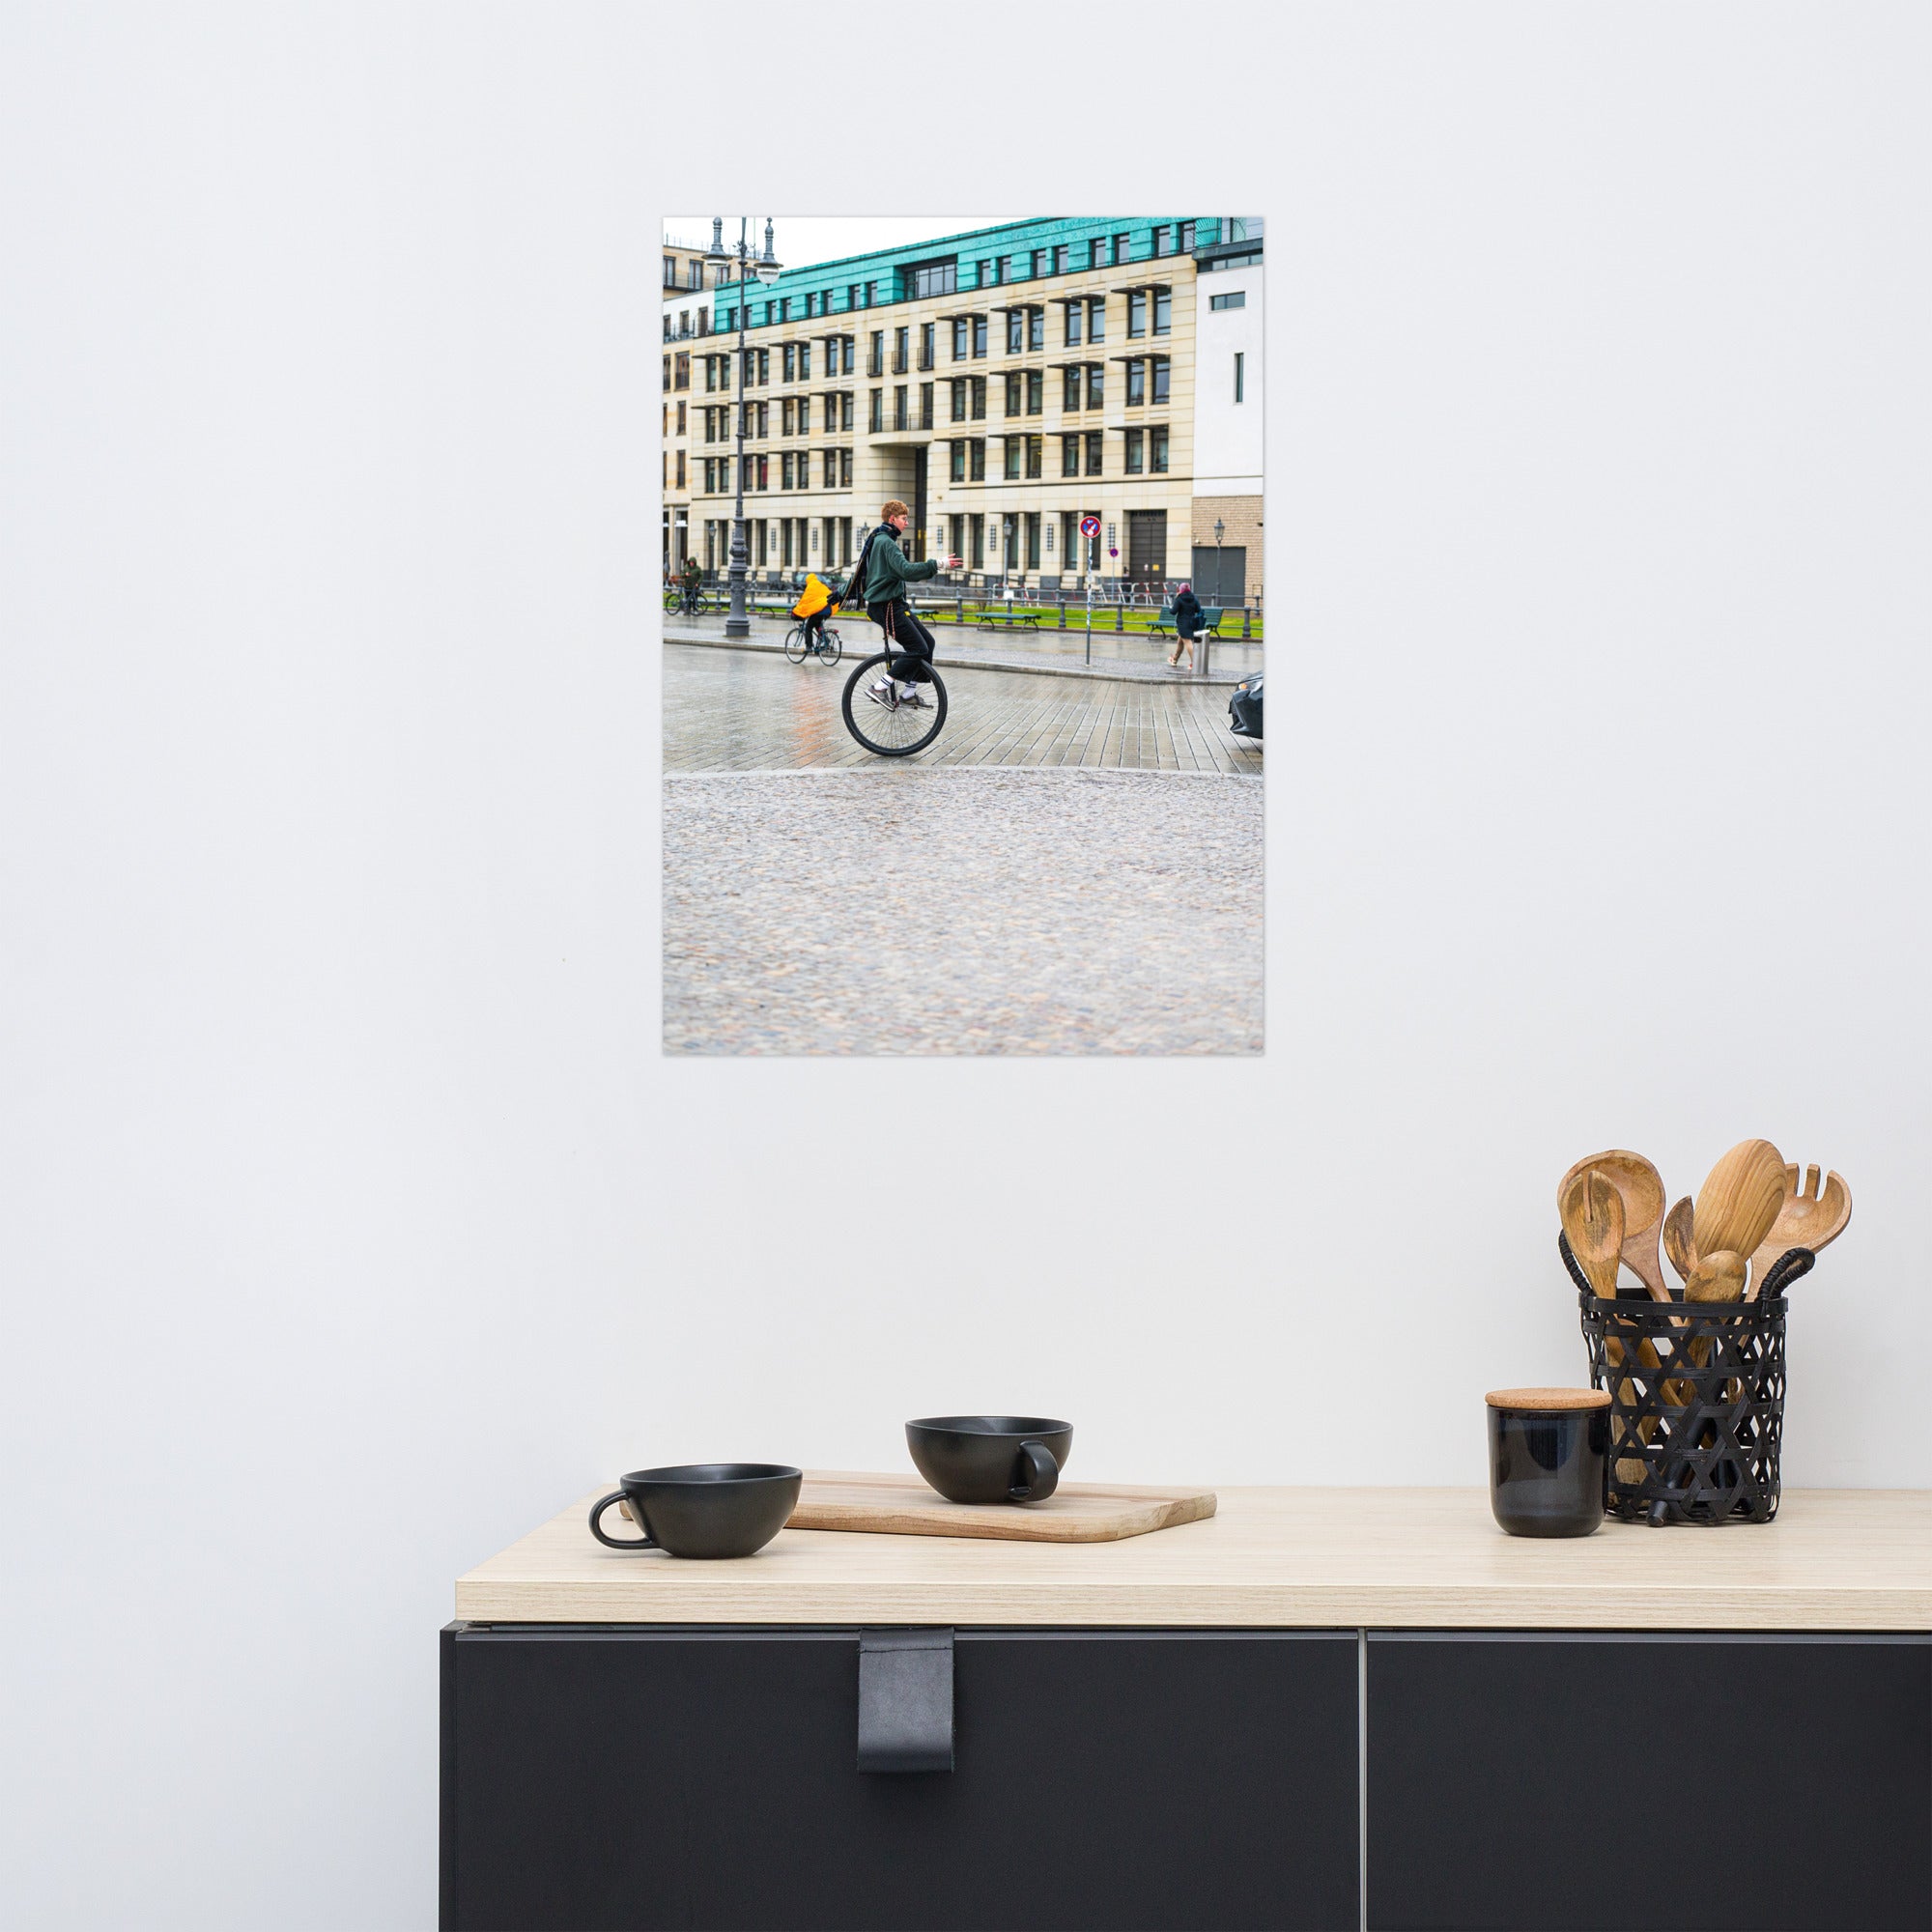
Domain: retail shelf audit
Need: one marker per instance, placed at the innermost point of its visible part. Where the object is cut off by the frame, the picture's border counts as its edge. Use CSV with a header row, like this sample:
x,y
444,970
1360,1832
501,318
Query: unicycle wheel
x,y
891,731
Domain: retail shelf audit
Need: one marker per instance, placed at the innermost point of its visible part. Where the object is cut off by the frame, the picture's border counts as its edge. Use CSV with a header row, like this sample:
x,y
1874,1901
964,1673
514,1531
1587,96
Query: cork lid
x,y
1548,1400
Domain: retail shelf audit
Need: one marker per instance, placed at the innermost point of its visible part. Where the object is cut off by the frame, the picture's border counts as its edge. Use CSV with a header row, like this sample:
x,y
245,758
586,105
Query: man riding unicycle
x,y
884,575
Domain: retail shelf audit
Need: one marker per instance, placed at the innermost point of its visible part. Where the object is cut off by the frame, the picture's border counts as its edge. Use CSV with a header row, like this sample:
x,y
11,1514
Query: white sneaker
x,y
881,693
909,694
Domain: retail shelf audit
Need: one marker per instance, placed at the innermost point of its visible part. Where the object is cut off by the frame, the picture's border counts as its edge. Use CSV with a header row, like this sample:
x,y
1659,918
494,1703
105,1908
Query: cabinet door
x,y
1575,1781
602,1778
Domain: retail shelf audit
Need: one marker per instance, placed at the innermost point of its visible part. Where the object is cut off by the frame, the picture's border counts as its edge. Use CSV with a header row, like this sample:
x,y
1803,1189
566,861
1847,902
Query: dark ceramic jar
x,y
1549,1459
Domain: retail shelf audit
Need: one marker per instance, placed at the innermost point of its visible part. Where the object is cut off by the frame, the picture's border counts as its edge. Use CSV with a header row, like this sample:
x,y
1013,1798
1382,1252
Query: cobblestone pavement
x,y
751,711
900,910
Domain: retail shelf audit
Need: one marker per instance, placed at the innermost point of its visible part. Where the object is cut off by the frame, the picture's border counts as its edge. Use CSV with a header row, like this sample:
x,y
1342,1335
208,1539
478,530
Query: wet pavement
x,y
737,710
900,909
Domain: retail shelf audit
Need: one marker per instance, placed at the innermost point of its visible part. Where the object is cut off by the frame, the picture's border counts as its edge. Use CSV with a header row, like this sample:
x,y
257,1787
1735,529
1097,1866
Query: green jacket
x,y
888,573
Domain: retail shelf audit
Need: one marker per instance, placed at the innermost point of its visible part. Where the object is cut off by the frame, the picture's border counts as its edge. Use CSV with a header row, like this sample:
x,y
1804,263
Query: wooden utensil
x,y
1717,1277
1808,1217
1641,1189
1739,1199
1680,1242
1592,1211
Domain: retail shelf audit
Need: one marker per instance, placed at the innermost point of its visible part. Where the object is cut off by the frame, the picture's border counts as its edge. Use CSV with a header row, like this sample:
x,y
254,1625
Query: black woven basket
x,y
1696,1401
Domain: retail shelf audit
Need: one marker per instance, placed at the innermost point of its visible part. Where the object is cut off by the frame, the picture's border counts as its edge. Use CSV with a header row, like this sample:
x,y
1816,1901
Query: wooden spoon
x,y
1680,1242
1739,1199
1717,1278
1593,1218
1641,1187
1808,1217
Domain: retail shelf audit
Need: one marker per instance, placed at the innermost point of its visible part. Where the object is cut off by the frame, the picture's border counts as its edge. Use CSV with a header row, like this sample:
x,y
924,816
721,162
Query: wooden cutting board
x,y
1075,1513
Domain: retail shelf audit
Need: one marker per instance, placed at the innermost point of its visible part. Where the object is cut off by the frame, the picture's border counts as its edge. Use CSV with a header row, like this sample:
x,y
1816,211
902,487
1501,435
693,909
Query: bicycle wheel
x,y
831,645
891,731
673,600
796,643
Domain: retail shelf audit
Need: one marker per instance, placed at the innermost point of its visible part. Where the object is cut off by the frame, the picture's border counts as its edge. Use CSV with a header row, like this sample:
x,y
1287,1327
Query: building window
x,y
784,471
979,335
790,363
805,361
1234,298
1161,365
926,331
1188,237
984,277
871,295
829,468
958,338
958,387
1163,311
1096,318
875,420
1040,259
1162,240
846,475
810,306
1071,388
900,339
1097,376
934,278
680,470
1013,458
1015,330
681,418
1135,438
1002,269
1032,540
764,472
1099,252
1014,394
926,406
1074,312
710,372
959,463
764,366
899,407
846,410
1240,376
1097,450
1136,313
1036,329
1136,384
1036,391
1063,258
1035,455
1070,456
977,452
978,399
1157,449
875,354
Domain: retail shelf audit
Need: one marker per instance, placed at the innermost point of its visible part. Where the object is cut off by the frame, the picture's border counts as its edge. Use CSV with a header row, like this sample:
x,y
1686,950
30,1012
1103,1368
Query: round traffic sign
x,y
1090,526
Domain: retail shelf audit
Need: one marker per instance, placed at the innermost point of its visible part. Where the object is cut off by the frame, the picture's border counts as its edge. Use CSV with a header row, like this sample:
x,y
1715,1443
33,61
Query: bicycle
x,y
899,728
801,645
680,602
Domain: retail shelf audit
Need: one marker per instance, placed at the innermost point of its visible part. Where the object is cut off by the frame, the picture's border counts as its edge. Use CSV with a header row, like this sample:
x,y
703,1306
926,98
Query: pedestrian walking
x,y
1186,624
884,573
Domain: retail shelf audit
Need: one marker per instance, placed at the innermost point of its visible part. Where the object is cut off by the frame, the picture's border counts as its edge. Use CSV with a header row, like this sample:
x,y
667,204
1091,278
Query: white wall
x,y
1228,442
353,1222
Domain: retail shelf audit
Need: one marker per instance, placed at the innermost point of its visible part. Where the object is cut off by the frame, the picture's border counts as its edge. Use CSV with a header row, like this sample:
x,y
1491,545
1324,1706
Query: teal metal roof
x,y
835,282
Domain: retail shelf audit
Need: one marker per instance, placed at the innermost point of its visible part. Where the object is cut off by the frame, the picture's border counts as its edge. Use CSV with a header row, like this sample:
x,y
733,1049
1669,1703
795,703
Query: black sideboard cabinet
x,y
598,1778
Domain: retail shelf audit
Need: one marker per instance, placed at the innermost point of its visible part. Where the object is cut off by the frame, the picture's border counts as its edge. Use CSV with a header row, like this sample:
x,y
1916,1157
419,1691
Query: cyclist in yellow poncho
x,y
816,603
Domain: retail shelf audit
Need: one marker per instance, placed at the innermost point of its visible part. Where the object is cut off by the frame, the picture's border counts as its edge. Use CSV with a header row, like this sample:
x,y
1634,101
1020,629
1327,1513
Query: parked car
x,y
1244,708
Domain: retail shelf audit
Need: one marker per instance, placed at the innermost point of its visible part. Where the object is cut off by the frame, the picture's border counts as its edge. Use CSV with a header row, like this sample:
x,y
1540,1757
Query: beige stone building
x,y
1004,383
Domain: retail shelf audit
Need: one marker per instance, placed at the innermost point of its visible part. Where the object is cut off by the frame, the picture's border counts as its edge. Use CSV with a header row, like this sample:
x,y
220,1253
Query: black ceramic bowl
x,y
990,1459
703,1508
1549,1460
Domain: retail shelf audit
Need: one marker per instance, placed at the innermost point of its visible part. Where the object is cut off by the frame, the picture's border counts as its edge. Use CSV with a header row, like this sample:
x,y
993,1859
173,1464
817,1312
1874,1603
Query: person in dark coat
x,y
885,576
1187,623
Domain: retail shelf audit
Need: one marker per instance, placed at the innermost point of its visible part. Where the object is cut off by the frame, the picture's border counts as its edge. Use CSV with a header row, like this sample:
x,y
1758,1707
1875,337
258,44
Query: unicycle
x,y
897,730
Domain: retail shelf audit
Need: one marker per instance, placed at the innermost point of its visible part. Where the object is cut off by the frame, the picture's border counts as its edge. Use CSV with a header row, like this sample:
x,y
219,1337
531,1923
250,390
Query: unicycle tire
x,y
891,733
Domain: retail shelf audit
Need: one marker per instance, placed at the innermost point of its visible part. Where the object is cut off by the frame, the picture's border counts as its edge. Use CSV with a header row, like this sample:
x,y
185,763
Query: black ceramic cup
x,y
990,1459
1549,1459
702,1509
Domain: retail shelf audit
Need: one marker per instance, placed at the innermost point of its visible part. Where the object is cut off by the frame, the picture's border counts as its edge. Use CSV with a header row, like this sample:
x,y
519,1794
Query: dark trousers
x,y
909,640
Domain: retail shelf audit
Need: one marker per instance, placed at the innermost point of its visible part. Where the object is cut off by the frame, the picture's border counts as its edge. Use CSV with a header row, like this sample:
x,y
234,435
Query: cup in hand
x,y
990,1459
702,1509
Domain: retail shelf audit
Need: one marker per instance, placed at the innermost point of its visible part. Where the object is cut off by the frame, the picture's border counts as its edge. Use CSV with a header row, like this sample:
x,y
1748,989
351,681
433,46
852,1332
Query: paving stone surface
x,y
984,910
729,710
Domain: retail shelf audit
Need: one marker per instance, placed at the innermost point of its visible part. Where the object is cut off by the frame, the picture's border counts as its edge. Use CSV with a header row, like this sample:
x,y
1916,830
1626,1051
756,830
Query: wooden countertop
x,y
1835,1559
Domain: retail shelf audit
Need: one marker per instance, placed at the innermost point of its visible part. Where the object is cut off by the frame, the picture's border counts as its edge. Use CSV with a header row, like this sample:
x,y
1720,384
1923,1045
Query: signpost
x,y
1090,528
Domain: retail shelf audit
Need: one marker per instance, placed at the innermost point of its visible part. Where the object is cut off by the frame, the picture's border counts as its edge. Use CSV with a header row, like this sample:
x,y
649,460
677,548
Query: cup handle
x,y
597,1509
1041,1475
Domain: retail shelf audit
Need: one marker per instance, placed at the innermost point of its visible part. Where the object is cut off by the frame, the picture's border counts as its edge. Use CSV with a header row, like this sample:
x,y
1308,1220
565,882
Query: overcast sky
x,y
801,240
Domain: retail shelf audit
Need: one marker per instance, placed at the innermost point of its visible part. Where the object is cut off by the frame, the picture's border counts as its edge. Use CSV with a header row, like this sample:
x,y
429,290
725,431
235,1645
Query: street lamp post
x,y
738,624
1220,530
